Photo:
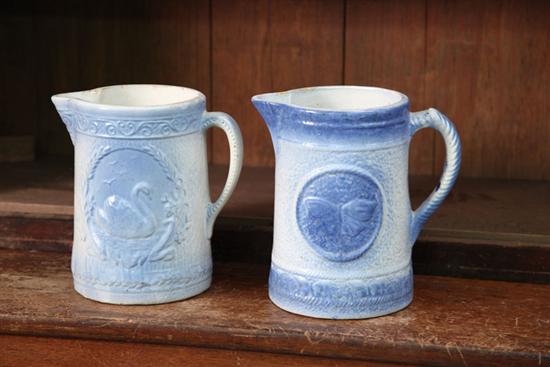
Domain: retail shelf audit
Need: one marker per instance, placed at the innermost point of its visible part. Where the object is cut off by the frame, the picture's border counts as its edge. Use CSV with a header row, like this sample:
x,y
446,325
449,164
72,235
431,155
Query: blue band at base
x,y
341,299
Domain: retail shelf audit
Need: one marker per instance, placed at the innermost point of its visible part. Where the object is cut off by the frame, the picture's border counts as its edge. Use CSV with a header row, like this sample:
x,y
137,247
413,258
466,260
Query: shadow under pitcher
x,y
143,216
343,223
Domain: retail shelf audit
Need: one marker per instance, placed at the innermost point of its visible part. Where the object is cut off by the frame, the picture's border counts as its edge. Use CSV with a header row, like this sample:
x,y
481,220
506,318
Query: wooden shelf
x,y
470,59
451,321
486,229
490,229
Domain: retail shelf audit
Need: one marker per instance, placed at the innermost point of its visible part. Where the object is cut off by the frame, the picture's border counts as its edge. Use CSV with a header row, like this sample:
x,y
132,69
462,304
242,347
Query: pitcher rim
x,y
403,99
73,96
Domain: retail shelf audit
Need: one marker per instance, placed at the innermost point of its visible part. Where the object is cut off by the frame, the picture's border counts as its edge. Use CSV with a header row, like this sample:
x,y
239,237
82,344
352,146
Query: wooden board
x,y
44,188
307,39
56,39
484,64
82,46
18,106
515,258
17,148
488,229
38,351
385,47
241,68
477,208
264,46
488,69
451,322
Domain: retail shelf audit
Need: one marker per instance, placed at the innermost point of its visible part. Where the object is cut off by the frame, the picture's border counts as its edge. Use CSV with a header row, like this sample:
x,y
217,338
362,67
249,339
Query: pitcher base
x,y
341,299
144,298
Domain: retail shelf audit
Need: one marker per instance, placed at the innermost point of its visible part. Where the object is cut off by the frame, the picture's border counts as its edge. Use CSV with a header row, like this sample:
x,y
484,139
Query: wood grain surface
x,y
490,229
385,47
451,322
264,46
18,105
76,46
478,208
16,148
307,40
488,69
241,64
38,351
485,64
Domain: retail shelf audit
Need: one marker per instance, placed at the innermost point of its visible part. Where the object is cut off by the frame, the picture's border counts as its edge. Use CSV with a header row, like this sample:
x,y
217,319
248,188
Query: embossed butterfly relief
x,y
349,219
340,213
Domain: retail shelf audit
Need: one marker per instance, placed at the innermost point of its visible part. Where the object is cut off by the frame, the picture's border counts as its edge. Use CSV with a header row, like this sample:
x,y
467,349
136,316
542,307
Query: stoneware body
x,y
142,211
343,224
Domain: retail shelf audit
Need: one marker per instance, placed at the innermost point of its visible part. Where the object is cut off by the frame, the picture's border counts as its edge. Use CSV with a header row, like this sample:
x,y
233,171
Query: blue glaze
x,y
339,213
343,224
143,216
347,299
319,127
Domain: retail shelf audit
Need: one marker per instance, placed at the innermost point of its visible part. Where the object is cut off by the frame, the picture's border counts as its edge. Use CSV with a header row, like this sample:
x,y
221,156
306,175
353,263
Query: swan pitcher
x,y
142,211
343,225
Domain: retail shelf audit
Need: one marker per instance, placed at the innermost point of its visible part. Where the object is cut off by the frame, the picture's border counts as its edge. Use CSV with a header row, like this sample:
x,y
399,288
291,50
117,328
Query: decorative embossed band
x,y
344,299
159,284
187,121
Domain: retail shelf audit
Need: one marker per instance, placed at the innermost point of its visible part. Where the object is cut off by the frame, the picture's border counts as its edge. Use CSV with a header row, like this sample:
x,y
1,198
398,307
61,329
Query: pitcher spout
x,y
63,105
270,106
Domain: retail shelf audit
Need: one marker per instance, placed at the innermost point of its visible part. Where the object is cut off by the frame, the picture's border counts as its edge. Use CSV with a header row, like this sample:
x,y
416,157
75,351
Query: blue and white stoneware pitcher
x,y
142,211
343,224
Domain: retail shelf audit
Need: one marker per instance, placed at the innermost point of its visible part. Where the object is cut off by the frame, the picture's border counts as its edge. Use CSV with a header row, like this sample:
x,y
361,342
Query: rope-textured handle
x,y
436,120
231,129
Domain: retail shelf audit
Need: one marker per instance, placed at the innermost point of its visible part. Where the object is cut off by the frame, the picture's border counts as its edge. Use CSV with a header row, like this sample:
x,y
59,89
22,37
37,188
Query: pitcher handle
x,y
233,133
436,120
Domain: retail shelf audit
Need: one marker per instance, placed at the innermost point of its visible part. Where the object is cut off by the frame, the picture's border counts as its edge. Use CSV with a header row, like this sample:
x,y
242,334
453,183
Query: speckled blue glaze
x,y
339,213
143,216
343,224
340,299
299,125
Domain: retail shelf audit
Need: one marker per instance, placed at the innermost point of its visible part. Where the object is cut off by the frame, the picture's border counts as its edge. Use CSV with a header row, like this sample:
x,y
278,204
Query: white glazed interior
x,y
136,95
344,98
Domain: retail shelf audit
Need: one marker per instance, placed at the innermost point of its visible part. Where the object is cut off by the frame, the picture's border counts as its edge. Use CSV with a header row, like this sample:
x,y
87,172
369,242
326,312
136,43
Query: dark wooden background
x,y
486,64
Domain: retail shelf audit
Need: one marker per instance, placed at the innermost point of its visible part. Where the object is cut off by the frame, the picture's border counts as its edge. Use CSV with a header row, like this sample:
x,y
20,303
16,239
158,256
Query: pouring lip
x,y
268,98
76,97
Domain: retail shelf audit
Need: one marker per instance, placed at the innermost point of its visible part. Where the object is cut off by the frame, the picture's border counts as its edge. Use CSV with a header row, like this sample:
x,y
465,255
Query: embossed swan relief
x,y
128,232
128,219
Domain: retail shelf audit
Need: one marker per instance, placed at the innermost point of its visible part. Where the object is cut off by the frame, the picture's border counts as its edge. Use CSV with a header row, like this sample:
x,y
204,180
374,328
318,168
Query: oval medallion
x,y
339,213
132,201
